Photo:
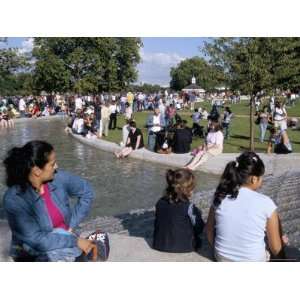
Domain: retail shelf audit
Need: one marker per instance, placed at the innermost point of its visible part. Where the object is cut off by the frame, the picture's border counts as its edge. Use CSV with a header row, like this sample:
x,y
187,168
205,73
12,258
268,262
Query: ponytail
x,y
180,185
237,173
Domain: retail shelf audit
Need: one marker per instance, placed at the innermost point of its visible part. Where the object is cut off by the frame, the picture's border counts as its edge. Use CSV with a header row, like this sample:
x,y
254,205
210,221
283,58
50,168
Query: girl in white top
x,y
240,218
213,147
78,124
280,116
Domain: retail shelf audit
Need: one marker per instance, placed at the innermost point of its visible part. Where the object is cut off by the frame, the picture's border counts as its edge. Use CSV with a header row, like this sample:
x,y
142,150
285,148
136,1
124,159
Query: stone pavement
x,y
123,248
136,249
5,237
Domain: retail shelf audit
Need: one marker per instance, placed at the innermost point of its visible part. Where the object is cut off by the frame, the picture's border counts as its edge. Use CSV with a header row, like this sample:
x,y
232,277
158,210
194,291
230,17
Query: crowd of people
x,y
44,226
243,224
274,118
167,132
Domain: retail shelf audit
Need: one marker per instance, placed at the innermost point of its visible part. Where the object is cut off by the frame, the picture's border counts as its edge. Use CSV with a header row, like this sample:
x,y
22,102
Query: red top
x,y
55,214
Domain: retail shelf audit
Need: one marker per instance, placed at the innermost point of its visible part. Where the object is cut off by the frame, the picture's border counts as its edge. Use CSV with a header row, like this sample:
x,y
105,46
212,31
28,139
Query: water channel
x,y
120,186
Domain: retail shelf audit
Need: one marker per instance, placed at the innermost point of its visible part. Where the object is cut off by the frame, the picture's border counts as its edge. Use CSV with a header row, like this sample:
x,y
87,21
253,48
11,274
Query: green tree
x,y
86,65
207,76
146,88
11,62
285,63
247,64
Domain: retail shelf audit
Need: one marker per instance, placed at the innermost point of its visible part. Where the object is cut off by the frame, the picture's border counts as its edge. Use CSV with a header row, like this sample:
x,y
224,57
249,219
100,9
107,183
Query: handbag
x,y
101,240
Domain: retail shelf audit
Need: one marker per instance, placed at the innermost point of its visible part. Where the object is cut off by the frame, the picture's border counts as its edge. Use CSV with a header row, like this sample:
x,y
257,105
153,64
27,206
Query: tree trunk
x,y
251,124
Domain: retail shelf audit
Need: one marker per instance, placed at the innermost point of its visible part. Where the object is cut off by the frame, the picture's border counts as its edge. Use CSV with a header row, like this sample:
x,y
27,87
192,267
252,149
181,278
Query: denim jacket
x,y
28,218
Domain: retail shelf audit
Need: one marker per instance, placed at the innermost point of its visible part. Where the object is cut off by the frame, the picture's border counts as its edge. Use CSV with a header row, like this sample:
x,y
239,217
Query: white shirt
x,y
78,103
125,132
156,120
128,112
78,125
241,225
123,99
22,105
204,114
279,114
113,108
162,108
215,138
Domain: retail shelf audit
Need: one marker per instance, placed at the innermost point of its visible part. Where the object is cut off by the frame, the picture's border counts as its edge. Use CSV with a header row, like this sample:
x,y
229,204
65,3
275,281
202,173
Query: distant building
x,y
194,88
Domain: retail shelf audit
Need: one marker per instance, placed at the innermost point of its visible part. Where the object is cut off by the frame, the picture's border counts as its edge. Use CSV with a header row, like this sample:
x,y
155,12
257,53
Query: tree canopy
x,y
85,65
207,76
253,65
11,61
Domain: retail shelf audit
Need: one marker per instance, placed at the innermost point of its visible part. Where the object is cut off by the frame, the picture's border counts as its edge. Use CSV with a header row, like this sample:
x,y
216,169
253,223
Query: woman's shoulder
x,y
164,200
11,198
256,195
138,131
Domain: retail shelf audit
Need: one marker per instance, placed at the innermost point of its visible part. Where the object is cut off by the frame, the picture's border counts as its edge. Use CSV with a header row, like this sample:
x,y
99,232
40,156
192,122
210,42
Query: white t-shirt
x,y
113,108
78,103
78,125
279,114
156,120
216,138
162,109
125,133
22,105
128,113
241,225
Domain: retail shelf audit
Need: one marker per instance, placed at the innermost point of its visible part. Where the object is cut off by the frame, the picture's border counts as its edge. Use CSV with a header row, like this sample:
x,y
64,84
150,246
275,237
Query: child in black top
x,y
178,223
134,141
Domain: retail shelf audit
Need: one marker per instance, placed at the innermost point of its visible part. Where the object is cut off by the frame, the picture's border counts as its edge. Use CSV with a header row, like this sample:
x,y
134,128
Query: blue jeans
x,y
56,255
151,141
226,130
263,128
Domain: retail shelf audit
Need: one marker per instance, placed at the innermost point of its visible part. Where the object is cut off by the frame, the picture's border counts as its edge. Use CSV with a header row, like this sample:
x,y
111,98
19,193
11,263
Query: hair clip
x,y
236,164
254,158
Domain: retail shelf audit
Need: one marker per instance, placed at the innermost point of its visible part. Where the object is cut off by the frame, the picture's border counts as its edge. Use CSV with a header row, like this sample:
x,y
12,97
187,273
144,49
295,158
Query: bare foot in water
x,y
117,154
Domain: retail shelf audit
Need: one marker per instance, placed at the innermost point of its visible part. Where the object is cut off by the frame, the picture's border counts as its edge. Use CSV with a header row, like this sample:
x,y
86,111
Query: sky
x,y
158,55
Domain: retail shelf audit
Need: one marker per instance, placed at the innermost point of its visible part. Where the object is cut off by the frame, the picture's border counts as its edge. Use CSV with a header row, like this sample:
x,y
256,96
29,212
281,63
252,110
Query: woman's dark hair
x,y
277,104
228,109
180,185
20,161
217,126
237,173
132,124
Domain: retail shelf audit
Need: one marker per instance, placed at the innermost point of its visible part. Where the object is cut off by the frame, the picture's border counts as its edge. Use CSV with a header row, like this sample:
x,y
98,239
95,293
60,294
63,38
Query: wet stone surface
x,y
284,190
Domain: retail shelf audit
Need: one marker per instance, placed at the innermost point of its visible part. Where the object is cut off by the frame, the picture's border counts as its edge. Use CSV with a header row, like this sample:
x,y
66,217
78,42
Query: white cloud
x,y
155,67
26,46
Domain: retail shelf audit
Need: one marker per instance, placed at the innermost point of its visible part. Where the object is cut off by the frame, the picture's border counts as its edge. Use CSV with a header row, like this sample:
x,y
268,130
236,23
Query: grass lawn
x,y
239,130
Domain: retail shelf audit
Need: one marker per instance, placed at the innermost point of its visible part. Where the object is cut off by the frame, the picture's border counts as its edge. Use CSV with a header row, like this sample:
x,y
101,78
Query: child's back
x,y
173,228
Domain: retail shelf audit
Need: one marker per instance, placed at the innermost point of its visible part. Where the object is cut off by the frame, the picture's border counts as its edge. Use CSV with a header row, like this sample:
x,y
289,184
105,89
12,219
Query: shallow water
x,y
120,185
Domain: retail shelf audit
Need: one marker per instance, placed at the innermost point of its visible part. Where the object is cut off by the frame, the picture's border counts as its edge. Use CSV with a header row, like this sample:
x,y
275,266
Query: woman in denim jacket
x,y
38,209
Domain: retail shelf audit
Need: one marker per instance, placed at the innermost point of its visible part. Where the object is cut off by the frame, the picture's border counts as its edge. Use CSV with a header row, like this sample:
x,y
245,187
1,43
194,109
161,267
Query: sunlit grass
x,y
239,130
